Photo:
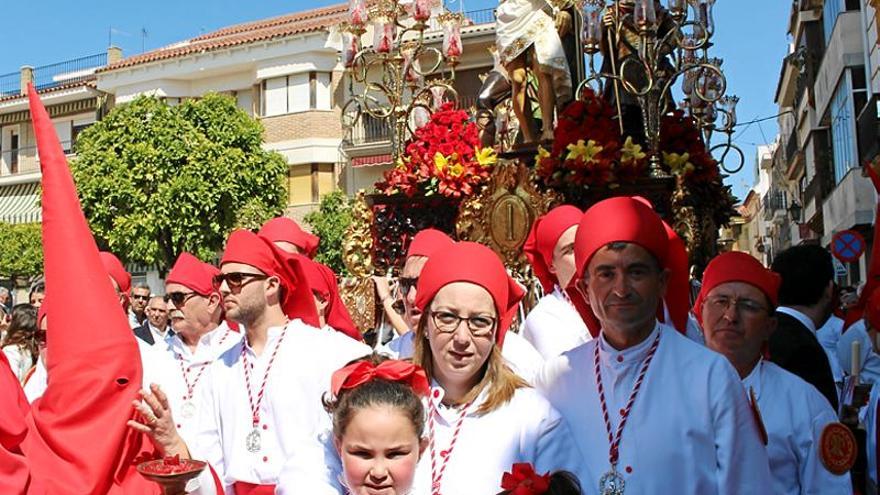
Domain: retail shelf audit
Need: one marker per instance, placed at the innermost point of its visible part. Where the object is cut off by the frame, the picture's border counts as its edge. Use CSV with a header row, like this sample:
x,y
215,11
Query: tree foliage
x,y
155,180
22,250
329,222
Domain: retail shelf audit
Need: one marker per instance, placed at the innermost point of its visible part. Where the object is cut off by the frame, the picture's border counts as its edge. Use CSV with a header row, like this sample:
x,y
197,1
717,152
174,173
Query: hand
x,y
563,23
154,418
383,289
608,18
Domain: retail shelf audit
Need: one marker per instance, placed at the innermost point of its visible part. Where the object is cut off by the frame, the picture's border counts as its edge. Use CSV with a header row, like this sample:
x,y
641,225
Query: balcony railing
x,y
369,130
791,148
471,18
69,71
869,131
12,159
775,200
10,84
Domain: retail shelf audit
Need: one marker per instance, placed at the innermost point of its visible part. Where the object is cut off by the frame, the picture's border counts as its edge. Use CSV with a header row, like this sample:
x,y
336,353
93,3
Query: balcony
x,y
370,131
10,84
791,148
869,131
23,162
775,205
53,75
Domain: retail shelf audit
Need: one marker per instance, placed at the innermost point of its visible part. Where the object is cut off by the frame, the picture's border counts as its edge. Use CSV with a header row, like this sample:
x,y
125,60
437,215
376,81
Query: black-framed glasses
x,y
448,322
406,284
743,306
179,298
236,280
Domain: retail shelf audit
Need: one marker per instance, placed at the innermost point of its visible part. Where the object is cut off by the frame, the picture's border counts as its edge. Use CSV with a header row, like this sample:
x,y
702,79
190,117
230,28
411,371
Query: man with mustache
x,y
736,308
656,412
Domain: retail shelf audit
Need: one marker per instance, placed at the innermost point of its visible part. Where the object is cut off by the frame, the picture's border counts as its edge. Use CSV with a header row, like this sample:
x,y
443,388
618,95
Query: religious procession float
x,y
580,106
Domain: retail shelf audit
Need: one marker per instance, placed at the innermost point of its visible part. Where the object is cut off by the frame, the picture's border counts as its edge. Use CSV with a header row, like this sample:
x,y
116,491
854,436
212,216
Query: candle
x,y
645,15
591,35
421,10
383,36
350,48
856,367
357,11
451,35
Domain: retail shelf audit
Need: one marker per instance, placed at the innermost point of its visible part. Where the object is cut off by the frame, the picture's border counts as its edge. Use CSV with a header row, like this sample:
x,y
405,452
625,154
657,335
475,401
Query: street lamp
x,y
794,212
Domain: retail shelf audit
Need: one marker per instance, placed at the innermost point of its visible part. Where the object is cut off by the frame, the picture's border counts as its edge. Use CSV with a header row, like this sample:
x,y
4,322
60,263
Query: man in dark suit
x,y
156,328
804,304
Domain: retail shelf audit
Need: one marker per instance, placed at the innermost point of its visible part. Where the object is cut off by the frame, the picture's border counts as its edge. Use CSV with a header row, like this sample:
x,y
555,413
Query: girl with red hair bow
x,y
523,480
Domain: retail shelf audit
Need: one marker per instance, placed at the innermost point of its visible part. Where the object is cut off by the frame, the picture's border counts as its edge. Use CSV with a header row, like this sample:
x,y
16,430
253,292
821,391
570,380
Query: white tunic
x,y
794,414
526,429
35,386
870,360
690,430
164,364
553,326
828,336
870,421
291,413
517,352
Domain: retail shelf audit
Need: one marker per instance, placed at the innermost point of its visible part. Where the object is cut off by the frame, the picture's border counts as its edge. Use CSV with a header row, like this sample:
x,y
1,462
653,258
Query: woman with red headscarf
x,y
482,417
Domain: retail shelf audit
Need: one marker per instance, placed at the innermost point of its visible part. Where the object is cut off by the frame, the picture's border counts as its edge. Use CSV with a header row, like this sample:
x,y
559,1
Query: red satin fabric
x,y
542,239
287,230
737,267
426,242
242,488
193,273
322,280
357,374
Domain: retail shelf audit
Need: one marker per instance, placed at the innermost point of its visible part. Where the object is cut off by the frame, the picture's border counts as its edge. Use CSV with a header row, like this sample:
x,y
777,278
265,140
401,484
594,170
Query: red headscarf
x,y
477,264
737,267
356,374
872,281
78,440
322,280
542,239
619,219
117,271
428,241
287,230
243,246
193,274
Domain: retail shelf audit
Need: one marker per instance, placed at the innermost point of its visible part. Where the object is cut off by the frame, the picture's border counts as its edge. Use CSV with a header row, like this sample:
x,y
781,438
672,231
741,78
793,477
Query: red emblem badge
x,y
837,448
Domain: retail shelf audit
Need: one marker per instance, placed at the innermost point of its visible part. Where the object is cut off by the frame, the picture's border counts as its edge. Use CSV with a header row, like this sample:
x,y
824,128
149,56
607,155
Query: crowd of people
x,y
615,382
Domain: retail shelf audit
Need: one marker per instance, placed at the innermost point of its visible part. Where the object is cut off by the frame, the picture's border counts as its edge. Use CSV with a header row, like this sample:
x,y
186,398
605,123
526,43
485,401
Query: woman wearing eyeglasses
x,y
482,417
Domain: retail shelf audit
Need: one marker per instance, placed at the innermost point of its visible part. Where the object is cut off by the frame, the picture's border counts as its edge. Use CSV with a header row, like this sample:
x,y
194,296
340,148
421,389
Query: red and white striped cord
x,y
255,406
437,474
186,369
614,439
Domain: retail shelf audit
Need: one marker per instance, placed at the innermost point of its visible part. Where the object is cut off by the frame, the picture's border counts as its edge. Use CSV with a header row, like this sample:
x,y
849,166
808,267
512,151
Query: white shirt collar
x,y
753,380
806,320
608,355
449,413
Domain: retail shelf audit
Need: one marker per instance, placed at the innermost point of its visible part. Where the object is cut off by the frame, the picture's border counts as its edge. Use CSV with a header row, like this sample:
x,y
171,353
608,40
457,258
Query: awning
x,y
20,203
370,161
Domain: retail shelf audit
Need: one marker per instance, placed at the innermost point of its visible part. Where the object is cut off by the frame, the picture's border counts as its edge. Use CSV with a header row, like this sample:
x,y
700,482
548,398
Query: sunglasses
x,y
140,298
236,280
179,298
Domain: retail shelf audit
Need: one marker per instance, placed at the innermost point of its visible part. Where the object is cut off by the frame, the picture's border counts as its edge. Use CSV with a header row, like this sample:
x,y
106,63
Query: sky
x,y
750,37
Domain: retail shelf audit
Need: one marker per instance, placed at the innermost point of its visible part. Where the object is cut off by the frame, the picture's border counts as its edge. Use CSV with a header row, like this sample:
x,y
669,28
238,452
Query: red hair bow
x,y
362,372
523,480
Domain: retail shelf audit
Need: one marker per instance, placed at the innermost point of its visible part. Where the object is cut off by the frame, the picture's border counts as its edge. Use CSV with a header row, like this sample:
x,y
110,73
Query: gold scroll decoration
x,y
357,291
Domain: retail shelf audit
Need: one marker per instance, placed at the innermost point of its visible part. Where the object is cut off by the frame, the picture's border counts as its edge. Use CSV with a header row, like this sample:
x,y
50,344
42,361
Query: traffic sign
x,y
847,246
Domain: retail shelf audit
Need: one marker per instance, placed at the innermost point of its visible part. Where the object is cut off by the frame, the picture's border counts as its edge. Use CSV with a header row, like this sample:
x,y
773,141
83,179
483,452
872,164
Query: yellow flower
x,y
679,164
542,153
486,157
631,151
440,161
586,151
401,164
456,170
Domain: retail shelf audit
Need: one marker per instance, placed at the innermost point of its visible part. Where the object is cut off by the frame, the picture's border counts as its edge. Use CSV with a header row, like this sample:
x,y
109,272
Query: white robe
x,y
870,360
870,421
520,24
828,336
554,326
162,366
518,353
291,412
794,414
526,429
690,430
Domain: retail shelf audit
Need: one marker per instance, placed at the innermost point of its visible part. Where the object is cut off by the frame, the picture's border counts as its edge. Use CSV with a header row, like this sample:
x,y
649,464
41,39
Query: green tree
x,y
21,250
329,222
155,180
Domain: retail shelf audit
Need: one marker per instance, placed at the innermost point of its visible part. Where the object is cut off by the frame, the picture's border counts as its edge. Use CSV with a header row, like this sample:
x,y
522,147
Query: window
x,y
842,131
13,154
308,183
832,9
296,93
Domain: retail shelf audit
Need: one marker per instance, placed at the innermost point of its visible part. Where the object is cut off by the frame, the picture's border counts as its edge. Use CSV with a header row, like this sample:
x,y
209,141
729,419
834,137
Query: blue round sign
x,y
847,246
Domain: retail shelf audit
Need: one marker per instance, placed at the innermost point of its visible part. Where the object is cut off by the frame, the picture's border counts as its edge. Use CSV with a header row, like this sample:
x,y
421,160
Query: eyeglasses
x,y
140,297
179,298
743,306
236,280
407,283
448,322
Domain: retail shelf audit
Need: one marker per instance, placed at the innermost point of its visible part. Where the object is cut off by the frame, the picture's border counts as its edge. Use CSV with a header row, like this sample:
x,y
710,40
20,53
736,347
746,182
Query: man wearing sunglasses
x,y
179,364
140,299
263,397
736,308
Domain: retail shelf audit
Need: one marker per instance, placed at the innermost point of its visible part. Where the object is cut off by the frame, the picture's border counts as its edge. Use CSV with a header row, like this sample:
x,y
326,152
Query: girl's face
x,y
379,451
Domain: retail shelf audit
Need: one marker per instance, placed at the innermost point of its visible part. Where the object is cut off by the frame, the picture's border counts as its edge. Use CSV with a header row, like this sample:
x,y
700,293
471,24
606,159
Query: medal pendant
x,y
188,410
253,441
611,483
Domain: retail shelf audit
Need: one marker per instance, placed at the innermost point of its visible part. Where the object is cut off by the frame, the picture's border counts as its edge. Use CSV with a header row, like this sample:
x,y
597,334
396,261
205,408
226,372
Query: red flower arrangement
x,y
523,480
443,157
588,149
